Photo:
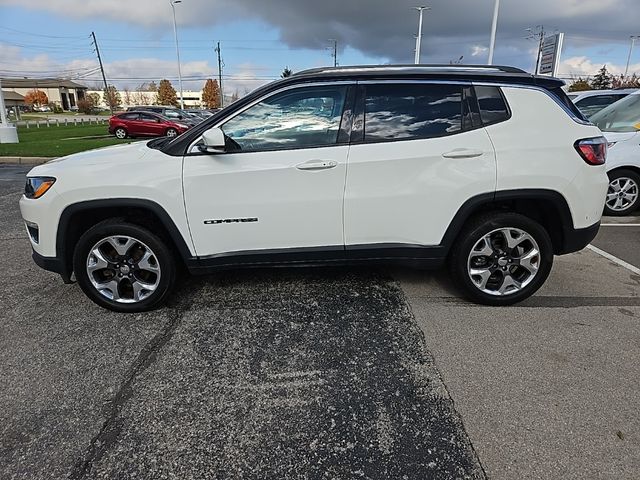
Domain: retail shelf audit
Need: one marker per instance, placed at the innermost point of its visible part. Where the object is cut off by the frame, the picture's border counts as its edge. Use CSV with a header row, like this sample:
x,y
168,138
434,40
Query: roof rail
x,y
419,67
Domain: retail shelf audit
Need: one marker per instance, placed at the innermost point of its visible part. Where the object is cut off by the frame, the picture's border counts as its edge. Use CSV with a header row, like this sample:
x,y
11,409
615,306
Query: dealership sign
x,y
550,54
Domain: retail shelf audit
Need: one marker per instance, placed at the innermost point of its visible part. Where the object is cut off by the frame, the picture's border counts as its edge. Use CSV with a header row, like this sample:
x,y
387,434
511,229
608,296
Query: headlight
x,y
38,186
182,125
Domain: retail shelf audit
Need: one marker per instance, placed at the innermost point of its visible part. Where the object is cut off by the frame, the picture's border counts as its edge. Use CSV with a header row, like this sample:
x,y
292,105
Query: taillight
x,y
593,150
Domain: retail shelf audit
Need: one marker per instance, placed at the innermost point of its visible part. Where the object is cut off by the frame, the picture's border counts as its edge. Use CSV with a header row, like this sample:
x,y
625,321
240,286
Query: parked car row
x,y
156,121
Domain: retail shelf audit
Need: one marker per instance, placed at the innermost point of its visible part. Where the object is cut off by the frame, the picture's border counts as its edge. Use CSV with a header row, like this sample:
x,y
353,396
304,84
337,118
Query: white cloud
x,y
584,66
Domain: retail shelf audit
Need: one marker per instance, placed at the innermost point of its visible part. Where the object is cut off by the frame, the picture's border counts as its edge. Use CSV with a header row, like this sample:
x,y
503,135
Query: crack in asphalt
x,y
111,427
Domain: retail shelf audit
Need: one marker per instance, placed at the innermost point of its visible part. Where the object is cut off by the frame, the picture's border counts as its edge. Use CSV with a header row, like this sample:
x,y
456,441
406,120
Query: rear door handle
x,y
463,153
317,165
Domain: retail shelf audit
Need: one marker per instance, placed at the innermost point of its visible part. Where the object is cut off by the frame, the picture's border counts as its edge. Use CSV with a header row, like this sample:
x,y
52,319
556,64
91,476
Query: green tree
x,y
287,72
167,94
580,85
602,80
211,94
112,97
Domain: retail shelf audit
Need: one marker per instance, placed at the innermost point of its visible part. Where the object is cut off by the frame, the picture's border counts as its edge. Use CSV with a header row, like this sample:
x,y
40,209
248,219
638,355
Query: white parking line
x,y
620,224
615,259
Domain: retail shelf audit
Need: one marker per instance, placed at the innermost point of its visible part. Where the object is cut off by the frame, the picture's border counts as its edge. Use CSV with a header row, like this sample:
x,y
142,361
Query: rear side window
x,y
411,111
493,107
129,116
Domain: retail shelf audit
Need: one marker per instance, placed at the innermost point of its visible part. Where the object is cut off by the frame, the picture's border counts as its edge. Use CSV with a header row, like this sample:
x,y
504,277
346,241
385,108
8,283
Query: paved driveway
x,y
327,373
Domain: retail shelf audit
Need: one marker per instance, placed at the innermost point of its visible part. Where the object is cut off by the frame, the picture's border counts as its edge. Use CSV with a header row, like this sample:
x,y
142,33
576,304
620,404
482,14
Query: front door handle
x,y
463,153
317,165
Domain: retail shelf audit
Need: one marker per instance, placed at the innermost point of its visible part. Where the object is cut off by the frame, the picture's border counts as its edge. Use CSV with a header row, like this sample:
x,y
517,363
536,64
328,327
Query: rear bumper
x,y
575,239
52,264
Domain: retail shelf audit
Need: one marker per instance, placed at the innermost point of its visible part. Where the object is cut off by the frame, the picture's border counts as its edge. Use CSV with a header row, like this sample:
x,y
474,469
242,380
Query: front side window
x,y
411,111
299,118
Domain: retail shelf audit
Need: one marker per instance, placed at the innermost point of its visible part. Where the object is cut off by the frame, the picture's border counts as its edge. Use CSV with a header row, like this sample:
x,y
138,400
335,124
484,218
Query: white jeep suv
x,y
488,169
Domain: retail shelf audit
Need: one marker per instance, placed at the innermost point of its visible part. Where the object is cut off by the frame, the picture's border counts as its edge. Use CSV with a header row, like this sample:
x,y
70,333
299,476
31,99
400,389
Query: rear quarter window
x,y
493,106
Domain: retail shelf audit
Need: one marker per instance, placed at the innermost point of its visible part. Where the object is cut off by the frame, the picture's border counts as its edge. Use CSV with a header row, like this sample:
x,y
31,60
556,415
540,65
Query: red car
x,y
144,124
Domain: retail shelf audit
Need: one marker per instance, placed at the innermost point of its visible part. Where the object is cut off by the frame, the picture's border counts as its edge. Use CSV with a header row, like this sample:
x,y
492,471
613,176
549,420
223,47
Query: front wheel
x,y
123,267
623,195
172,132
501,258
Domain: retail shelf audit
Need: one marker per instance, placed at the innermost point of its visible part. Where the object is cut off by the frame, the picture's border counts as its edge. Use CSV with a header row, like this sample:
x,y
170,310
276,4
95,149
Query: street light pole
x,y
175,34
419,37
633,43
494,28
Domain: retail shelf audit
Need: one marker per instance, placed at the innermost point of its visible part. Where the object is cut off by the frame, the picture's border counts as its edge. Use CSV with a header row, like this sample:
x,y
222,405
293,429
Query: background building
x,y
61,92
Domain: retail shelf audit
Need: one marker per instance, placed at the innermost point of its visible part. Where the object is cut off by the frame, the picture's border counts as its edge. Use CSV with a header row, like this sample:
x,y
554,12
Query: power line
x,y
40,34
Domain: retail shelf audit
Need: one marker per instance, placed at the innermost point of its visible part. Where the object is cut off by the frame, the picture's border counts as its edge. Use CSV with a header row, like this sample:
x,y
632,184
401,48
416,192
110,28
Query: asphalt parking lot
x,y
322,373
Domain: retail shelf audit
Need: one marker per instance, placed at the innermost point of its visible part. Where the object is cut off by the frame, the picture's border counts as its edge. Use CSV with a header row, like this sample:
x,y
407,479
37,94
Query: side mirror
x,y
213,141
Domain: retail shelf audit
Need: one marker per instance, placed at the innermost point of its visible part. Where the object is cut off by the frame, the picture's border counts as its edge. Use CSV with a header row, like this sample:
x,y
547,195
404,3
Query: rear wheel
x,y
623,195
172,132
121,133
123,267
501,258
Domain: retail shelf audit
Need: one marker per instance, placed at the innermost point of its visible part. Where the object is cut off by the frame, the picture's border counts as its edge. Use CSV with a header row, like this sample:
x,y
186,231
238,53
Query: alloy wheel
x,y
123,269
120,133
504,261
622,194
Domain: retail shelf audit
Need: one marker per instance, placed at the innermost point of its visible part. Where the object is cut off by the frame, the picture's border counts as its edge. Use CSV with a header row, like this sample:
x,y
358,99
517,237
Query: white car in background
x,y
591,102
620,123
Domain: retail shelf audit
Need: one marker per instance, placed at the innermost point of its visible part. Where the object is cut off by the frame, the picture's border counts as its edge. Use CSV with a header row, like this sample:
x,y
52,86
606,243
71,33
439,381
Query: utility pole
x,y
633,43
104,78
494,28
334,54
419,37
217,50
537,33
175,34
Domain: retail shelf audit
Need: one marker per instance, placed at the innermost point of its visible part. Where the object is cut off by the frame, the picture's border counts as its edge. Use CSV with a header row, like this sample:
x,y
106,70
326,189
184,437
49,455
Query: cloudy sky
x,y
259,38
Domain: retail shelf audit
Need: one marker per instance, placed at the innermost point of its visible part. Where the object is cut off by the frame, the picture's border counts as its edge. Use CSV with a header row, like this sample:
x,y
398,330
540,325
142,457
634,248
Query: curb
x,y
25,160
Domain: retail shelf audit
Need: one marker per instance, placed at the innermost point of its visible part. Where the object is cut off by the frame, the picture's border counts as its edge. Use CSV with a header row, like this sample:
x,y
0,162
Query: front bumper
x,y
575,239
53,264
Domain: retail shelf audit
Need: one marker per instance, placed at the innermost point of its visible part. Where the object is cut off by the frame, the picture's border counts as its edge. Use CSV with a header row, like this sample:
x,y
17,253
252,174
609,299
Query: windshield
x,y
622,116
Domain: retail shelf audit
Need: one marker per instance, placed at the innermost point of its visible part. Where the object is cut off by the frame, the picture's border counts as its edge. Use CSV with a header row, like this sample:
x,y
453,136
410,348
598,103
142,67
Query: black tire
x,y
627,210
474,231
121,133
117,227
171,132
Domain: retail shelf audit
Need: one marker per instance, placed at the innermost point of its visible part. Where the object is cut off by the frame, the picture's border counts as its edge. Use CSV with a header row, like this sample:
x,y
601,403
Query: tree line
x,y
604,80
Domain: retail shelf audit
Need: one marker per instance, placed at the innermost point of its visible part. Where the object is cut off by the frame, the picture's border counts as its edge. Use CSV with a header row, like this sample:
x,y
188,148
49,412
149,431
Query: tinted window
x,y
145,117
597,100
594,104
411,111
493,108
298,118
129,116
